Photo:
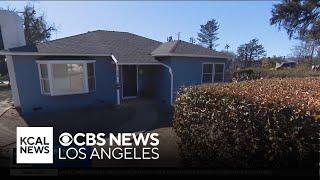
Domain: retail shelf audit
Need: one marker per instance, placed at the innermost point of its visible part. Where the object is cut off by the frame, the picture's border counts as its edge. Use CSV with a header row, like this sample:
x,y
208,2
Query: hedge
x,y
296,72
271,123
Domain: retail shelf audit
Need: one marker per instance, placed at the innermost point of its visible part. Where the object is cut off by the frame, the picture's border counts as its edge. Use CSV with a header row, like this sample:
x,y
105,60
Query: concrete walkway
x,y
145,117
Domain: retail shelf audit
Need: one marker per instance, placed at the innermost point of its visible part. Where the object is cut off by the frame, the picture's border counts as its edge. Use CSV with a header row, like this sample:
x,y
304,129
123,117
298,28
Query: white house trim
x,y
140,64
117,78
40,79
114,59
13,81
10,53
171,83
65,61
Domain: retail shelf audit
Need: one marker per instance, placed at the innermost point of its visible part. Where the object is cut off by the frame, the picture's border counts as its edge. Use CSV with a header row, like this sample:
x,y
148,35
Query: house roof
x,y
126,47
182,48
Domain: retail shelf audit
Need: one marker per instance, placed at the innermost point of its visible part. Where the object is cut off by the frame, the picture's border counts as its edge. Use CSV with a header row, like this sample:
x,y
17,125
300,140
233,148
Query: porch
x,y
148,82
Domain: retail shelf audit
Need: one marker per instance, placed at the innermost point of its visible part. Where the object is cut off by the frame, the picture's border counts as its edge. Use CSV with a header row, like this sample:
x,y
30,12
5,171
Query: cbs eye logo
x,y
65,139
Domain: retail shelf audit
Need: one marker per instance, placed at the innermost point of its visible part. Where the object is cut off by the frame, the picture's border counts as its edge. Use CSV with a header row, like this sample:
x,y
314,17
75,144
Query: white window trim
x,y
203,74
49,63
213,72
40,78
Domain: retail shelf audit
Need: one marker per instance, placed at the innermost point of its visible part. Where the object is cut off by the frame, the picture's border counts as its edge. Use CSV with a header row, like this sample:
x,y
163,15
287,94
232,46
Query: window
x,y
207,72
66,77
44,78
91,79
212,73
218,72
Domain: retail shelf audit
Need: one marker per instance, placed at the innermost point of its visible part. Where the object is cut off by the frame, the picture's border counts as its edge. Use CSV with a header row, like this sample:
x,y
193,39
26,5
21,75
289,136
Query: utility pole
x,y
179,35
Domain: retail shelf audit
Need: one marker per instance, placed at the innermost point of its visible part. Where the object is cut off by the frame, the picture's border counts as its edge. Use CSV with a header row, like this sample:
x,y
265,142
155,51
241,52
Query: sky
x,y
240,21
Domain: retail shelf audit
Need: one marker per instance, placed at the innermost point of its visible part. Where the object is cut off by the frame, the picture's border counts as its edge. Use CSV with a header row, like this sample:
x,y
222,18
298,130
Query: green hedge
x,y
270,123
298,71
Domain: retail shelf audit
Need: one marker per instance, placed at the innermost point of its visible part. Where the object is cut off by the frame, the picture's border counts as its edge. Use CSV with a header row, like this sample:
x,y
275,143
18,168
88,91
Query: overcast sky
x,y
239,21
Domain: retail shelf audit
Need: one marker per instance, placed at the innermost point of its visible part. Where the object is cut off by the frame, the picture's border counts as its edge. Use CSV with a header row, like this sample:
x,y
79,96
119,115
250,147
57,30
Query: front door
x,y
129,81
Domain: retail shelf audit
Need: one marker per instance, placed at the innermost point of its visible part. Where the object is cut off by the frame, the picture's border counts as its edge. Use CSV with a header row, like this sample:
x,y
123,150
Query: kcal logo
x,y
34,145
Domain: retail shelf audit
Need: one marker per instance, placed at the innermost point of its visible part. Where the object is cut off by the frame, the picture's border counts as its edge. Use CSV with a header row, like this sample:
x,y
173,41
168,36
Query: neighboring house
x,y
283,65
106,66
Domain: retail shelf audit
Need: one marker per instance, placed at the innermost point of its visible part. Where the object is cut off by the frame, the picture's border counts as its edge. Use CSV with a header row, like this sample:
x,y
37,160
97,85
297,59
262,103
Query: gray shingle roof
x,y
126,47
182,48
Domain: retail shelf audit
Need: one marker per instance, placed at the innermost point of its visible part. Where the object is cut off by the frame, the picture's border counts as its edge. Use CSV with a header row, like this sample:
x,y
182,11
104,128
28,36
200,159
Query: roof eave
x,y
16,53
186,55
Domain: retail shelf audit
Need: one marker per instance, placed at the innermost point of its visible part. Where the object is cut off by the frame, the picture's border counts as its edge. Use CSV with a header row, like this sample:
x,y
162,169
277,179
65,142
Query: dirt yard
x,y
168,148
169,155
130,117
5,97
8,123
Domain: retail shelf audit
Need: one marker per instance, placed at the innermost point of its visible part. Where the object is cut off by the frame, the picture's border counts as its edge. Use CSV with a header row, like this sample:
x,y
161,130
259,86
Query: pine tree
x,y
208,34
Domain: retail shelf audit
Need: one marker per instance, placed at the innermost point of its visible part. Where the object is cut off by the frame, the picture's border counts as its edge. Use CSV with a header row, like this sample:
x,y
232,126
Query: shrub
x,y
260,123
245,74
298,71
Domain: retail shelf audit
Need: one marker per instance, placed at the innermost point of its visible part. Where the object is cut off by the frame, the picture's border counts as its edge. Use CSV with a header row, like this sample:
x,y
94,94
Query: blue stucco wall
x,y
187,71
161,82
28,84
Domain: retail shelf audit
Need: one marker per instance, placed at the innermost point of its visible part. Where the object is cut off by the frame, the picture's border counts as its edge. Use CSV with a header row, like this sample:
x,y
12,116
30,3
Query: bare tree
x,y
36,28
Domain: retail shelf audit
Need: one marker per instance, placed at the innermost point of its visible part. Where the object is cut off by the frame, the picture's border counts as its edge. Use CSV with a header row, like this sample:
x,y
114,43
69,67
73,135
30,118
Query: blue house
x,y
106,66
